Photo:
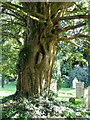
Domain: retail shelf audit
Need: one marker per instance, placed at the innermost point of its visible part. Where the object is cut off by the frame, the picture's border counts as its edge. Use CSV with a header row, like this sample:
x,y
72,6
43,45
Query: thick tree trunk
x,y
35,69
36,59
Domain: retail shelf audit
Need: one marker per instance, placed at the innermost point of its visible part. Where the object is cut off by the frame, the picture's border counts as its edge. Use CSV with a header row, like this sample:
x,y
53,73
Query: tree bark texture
x,y
36,56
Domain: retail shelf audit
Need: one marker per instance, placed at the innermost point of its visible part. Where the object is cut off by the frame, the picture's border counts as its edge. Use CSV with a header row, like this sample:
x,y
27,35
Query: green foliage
x,y
69,113
65,81
12,37
9,58
20,107
81,73
67,58
68,55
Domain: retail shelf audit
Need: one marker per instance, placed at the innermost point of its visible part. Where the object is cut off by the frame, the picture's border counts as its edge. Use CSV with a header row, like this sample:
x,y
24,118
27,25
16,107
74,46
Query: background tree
x,y
10,44
68,56
42,32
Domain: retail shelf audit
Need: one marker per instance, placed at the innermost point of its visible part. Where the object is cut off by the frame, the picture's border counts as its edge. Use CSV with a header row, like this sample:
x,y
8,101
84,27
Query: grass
x,y
63,94
67,92
66,89
10,87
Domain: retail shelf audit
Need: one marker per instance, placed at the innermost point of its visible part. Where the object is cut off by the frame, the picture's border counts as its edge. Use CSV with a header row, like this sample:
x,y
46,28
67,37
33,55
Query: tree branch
x,y
69,27
55,20
73,37
67,39
28,10
78,45
23,12
14,15
55,6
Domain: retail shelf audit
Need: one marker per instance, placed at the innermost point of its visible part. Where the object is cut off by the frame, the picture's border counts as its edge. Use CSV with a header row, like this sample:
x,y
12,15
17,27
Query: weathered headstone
x,y
75,80
53,86
79,89
87,97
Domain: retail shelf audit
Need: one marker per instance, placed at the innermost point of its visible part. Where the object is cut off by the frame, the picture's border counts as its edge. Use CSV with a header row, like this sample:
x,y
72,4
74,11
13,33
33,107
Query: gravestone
x,y
75,80
53,85
79,89
87,97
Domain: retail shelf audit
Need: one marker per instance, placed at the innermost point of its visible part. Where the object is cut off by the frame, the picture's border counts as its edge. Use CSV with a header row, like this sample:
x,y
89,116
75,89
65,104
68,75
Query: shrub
x,y
81,73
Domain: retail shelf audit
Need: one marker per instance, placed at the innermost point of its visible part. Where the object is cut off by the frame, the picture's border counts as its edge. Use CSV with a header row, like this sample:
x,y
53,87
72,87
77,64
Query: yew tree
x,y
42,32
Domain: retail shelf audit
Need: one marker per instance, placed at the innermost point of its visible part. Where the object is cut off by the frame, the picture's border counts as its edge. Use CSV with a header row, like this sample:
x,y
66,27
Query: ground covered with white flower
x,y
42,107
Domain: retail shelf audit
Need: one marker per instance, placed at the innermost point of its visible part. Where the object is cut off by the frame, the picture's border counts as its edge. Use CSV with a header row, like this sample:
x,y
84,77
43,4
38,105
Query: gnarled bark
x,y
35,75
36,59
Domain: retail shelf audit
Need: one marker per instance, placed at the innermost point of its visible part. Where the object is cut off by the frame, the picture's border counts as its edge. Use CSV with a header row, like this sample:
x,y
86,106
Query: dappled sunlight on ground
x,y
4,93
8,89
65,93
